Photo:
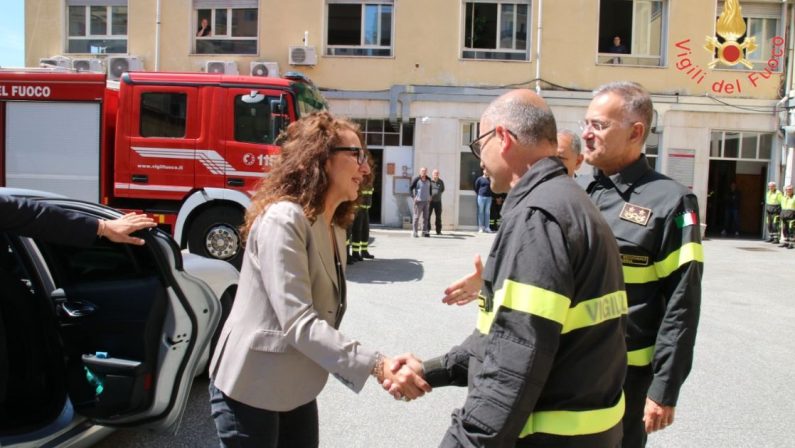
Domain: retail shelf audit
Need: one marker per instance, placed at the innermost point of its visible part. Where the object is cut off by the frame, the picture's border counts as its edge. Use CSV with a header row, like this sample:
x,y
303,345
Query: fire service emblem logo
x,y
731,27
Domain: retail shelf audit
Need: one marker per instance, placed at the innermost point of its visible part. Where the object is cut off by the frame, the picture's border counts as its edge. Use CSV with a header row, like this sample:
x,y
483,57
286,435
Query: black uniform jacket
x,y
46,222
655,220
547,360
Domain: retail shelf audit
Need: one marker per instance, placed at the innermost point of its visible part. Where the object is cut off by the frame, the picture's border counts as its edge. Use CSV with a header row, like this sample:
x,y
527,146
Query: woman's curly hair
x,y
299,173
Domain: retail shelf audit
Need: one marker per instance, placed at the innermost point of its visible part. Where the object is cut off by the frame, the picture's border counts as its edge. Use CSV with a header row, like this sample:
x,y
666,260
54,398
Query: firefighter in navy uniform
x,y
546,363
655,221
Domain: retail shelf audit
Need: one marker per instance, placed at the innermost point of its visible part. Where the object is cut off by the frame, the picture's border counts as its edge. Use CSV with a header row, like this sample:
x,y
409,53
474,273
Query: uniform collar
x,y
626,179
540,172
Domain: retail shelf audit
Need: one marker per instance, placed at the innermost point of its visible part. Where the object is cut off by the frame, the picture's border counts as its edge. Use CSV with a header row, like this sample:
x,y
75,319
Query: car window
x,y
102,261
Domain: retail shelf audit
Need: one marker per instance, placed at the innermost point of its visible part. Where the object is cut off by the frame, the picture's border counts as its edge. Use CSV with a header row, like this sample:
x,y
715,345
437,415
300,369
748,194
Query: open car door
x,y
132,322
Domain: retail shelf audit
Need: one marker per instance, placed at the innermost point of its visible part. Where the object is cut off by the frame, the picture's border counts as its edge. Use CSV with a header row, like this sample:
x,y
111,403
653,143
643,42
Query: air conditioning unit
x,y
118,65
88,65
56,61
302,56
265,69
223,67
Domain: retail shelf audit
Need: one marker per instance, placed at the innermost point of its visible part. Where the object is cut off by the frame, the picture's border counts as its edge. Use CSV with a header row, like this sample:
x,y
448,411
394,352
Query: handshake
x,y
403,377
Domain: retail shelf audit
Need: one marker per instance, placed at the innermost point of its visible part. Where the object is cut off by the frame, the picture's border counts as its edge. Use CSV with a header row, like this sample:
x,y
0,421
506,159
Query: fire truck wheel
x,y
214,234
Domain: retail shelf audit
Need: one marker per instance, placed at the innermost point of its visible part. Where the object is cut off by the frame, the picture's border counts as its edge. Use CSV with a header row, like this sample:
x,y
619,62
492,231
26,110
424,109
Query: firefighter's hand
x,y
403,377
465,289
119,229
657,416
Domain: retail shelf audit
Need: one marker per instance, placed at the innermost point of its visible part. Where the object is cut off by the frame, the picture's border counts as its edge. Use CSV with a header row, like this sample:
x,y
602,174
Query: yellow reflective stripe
x,y
553,306
640,357
595,311
685,254
528,299
574,423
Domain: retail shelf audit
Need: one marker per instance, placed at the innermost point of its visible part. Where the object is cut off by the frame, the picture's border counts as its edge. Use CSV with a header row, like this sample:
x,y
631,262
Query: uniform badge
x,y
635,214
634,260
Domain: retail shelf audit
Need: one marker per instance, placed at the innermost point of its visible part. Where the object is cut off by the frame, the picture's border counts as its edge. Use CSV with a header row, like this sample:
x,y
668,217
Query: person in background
x,y
495,214
618,48
773,199
788,218
655,221
282,339
420,190
58,225
570,151
731,204
437,188
484,194
360,235
204,28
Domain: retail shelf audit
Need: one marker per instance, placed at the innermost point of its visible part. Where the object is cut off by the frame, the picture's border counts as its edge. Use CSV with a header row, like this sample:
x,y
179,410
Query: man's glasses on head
x,y
361,154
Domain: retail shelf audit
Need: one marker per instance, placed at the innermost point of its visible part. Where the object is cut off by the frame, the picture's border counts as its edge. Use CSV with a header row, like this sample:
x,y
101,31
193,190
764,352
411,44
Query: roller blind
x,y
96,2
204,4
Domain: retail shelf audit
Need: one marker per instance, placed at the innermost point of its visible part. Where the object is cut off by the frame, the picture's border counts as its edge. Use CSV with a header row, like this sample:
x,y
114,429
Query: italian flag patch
x,y
688,218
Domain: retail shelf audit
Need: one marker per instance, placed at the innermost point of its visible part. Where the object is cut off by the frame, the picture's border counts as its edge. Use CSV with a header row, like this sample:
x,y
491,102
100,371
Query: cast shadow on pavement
x,y
382,270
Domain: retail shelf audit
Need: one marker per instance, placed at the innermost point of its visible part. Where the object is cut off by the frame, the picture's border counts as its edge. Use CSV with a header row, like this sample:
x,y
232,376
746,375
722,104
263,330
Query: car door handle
x,y
235,182
140,178
72,308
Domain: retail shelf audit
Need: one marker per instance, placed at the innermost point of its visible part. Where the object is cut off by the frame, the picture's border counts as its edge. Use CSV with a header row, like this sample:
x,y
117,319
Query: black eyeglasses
x,y
361,154
477,145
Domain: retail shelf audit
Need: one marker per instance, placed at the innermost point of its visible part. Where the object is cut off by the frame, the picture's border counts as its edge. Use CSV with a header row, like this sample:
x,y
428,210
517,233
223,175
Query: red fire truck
x,y
186,148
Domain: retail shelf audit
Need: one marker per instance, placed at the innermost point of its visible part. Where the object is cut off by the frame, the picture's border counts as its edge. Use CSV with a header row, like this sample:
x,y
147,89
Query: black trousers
x,y
435,208
636,388
773,219
360,231
243,426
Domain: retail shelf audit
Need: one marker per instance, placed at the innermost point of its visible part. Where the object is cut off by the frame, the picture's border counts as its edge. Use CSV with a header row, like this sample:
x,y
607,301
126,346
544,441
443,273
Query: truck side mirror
x,y
279,119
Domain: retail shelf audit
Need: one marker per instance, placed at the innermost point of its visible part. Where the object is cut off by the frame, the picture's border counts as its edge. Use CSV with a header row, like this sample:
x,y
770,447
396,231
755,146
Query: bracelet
x,y
378,367
101,229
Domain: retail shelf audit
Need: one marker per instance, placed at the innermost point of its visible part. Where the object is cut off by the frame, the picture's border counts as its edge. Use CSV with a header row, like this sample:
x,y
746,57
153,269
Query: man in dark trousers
x,y
360,231
435,207
420,190
656,222
546,363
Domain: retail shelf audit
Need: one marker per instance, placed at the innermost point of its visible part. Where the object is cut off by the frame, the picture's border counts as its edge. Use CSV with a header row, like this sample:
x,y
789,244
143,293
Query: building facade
x,y
417,75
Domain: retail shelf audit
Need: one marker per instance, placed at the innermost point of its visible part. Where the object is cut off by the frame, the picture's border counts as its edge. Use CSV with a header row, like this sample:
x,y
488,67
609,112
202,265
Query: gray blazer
x,y
281,340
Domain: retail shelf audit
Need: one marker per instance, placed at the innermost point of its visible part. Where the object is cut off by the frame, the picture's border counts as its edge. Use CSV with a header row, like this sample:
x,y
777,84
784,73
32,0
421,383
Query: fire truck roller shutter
x,y
215,233
54,146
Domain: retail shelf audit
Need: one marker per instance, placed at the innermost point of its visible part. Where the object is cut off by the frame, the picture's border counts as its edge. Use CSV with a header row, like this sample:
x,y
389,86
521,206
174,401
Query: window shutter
x,y
96,2
772,10
205,4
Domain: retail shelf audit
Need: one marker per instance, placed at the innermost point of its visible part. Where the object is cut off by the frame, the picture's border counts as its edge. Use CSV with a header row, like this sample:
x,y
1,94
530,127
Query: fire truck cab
x,y
187,148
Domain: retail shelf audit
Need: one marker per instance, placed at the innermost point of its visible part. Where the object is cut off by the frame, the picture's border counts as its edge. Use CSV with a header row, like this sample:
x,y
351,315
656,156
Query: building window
x,y
652,150
96,29
632,32
224,30
762,22
496,30
468,171
163,114
735,145
385,133
356,28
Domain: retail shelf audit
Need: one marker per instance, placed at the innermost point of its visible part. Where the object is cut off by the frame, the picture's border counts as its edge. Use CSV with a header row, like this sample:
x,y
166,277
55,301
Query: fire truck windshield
x,y
308,98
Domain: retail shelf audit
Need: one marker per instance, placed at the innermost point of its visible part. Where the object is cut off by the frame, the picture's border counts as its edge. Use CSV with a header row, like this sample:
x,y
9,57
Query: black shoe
x,y
350,261
438,232
783,245
367,255
426,235
769,240
357,257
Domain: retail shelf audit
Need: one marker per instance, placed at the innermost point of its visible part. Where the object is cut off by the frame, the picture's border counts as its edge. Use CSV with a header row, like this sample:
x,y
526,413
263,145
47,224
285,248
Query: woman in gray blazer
x,y
281,339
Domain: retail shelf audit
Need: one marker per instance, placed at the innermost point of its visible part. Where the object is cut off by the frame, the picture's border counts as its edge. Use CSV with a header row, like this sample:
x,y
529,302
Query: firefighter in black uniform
x,y
655,221
546,363
360,231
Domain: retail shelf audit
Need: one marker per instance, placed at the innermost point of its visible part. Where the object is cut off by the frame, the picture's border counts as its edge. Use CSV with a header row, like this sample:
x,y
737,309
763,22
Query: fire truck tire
x,y
215,234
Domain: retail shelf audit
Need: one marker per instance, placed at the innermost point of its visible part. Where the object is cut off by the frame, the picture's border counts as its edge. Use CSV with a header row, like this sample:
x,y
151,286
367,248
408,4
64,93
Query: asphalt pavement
x,y
739,393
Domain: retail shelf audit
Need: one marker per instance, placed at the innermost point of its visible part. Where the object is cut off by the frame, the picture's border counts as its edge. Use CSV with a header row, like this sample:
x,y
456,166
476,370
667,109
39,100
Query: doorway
x,y
749,179
378,163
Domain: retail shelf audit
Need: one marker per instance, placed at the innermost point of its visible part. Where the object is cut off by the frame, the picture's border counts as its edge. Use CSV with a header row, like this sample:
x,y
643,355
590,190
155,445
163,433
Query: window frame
x,y
742,135
463,49
363,48
610,59
89,36
227,36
